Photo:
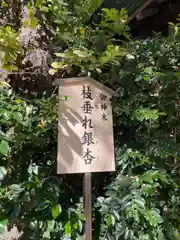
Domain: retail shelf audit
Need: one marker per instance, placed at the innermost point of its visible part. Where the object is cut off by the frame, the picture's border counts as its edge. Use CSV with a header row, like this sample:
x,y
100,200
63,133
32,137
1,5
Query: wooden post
x,y
88,206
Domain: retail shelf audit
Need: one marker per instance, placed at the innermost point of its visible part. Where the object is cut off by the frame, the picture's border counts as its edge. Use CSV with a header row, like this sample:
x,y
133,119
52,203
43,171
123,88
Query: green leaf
x,y
26,23
34,22
126,233
3,224
146,78
3,172
4,84
140,202
147,177
56,210
154,218
18,116
81,216
75,226
52,71
4,148
171,24
61,55
80,225
98,70
110,220
18,100
4,4
116,214
11,68
51,224
46,235
68,228
44,9
161,235
57,65
120,230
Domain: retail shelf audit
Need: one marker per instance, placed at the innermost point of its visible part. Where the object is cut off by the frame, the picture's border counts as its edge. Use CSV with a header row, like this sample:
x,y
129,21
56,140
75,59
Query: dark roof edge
x,y
140,9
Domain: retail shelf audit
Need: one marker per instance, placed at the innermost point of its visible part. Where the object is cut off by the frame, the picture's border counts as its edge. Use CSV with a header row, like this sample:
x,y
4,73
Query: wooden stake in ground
x,y
88,206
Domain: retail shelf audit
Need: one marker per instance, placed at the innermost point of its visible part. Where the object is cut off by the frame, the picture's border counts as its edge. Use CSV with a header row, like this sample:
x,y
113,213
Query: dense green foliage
x,y
144,197
31,193
142,200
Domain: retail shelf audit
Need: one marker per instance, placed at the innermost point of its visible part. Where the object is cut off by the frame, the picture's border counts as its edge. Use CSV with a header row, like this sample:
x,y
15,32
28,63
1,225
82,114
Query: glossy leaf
x,y
56,210
68,229
4,148
3,173
3,224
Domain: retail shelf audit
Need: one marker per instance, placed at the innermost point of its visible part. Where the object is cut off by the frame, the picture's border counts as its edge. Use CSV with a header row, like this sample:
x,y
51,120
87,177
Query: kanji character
x,y
103,106
86,92
88,157
104,117
86,123
87,107
87,138
103,97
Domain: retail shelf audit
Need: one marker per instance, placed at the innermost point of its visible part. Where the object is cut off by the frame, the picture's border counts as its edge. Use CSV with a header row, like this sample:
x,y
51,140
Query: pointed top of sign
x,y
78,80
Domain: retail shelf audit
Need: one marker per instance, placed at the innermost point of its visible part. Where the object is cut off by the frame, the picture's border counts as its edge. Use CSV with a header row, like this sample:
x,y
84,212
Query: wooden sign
x,y
85,138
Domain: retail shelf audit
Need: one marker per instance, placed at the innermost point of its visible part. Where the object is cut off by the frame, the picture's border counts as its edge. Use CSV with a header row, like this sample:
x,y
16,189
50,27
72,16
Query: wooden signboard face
x,y
85,138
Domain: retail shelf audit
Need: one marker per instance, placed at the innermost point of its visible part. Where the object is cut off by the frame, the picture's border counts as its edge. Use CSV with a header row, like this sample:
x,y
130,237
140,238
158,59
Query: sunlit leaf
x,y
110,220
68,228
3,224
52,71
18,116
57,65
56,210
47,235
4,147
3,172
4,84
34,22
154,217
4,4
